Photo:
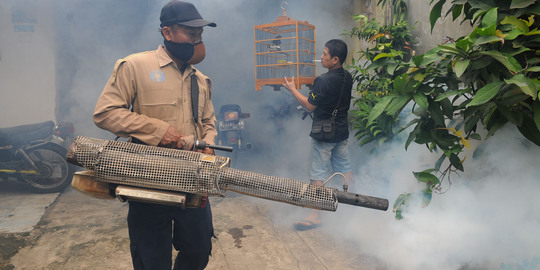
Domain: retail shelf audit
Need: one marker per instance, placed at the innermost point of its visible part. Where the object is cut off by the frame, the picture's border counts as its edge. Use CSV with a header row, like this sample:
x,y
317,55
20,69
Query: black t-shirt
x,y
325,95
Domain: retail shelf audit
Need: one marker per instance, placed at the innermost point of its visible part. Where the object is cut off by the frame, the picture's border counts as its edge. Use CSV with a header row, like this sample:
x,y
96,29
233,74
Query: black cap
x,y
183,13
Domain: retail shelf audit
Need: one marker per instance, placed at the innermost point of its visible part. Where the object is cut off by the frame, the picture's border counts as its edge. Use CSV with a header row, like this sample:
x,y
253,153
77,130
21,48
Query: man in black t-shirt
x,y
328,155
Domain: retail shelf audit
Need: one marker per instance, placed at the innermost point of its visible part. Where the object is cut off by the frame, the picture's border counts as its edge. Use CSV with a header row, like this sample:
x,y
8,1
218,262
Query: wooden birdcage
x,y
284,48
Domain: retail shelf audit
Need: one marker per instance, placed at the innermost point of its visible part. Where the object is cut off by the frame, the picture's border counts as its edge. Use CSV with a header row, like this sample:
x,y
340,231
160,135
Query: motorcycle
x,y
231,126
36,155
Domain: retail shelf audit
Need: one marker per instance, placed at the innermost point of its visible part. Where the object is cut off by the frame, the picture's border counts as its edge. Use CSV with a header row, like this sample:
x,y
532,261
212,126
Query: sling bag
x,y
325,129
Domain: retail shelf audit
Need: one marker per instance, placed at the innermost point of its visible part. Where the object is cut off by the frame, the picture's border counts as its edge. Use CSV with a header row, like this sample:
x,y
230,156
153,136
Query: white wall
x,y
27,62
419,11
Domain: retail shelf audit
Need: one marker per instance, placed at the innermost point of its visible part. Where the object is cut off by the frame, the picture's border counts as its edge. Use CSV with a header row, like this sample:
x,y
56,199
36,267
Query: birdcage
x,y
284,48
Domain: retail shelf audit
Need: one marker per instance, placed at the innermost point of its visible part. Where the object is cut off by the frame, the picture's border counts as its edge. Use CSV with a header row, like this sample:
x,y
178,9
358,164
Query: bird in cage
x,y
274,45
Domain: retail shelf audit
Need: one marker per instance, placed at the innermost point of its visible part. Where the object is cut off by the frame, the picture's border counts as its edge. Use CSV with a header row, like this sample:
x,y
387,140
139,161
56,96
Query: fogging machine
x,y
139,172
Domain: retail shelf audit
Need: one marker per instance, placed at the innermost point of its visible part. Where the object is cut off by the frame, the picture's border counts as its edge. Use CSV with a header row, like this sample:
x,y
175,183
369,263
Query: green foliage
x,y
482,80
374,71
485,79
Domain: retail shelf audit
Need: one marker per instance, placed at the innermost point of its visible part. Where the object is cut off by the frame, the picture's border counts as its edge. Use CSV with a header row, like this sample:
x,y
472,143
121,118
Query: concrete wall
x,y
27,62
419,11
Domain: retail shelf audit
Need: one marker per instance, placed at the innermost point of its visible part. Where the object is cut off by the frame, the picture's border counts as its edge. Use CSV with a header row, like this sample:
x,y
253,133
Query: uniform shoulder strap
x,y
195,98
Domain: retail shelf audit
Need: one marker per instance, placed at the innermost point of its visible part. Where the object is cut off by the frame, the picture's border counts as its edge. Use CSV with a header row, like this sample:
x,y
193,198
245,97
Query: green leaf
x,y
512,34
420,76
495,125
436,113
519,24
489,22
449,94
397,104
461,66
435,14
530,130
427,194
379,108
431,56
411,138
443,139
481,63
513,97
471,123
426,177
489,112
518,51
381,55
412,122
533,69
481,4
451,49
456,11
464,43
456,162
532,33
447,108
516,117
486,39
537,114
521,3
400,200
477,15
475,136
508,61
486,93
391,68
400,203
399,83
534,9
526,84
417,60
421,100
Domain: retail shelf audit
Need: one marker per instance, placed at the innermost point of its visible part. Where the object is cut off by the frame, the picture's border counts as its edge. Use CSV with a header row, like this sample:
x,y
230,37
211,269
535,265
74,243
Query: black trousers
x,y
154,228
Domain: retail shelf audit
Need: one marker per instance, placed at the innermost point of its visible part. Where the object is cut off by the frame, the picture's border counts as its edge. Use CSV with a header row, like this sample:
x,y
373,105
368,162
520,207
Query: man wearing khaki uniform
x,y
148,98
161,98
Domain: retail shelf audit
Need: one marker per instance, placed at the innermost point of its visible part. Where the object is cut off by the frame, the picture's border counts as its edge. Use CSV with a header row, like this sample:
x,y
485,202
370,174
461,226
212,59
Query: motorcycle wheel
x,y
54,172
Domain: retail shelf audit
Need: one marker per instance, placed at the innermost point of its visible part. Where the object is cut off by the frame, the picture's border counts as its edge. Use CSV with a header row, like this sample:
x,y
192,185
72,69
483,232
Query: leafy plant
x,y
374,70
482,80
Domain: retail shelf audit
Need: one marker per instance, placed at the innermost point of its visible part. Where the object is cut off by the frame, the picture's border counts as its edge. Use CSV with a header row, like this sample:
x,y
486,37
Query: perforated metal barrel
x,y
279,189
191,172
150,167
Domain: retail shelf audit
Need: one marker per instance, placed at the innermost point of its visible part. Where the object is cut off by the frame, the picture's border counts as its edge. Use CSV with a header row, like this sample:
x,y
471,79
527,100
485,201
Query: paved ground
x,y
21,211
72,231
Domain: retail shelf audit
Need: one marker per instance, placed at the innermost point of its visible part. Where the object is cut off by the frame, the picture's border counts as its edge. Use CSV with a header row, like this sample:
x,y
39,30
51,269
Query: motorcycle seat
x,y
230,107
19,135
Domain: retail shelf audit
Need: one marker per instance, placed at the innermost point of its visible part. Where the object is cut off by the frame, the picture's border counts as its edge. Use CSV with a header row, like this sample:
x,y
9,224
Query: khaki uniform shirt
x,y
160,95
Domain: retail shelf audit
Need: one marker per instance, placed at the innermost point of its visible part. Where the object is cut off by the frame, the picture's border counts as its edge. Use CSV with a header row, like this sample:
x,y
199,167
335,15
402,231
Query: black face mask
x,y
187,52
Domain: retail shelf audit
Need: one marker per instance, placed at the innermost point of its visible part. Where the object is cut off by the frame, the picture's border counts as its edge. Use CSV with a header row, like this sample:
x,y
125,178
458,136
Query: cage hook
x,y
282,8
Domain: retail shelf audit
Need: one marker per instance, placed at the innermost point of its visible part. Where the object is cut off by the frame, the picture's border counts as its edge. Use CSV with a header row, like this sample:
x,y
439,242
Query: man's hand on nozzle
x,y
186,142
171,139
174,139
208,151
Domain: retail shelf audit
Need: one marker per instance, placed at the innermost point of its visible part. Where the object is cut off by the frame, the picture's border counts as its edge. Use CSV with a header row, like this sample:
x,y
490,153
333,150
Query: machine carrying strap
x,y
334,113
195,99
